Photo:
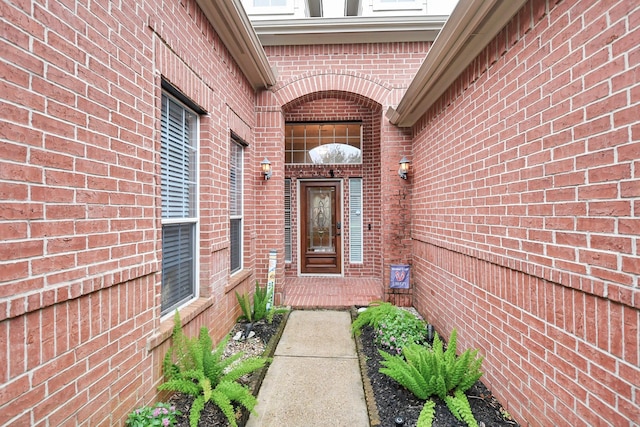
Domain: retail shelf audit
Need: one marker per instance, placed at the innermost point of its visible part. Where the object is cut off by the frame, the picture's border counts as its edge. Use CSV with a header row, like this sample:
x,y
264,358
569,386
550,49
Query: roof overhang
x,y
349,30
471,26
232,24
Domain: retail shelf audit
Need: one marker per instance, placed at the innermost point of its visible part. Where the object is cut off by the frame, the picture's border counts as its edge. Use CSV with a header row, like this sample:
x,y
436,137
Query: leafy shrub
x,y
428,372
161,414
373,315
191,367
397,330
259,310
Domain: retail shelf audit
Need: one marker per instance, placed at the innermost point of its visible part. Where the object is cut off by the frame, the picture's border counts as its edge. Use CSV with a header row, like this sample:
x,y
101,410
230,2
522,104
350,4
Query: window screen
x,y
179,151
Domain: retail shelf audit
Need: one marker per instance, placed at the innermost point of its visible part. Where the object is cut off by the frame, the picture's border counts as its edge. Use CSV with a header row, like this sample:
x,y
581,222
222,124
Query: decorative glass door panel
x,y
320,231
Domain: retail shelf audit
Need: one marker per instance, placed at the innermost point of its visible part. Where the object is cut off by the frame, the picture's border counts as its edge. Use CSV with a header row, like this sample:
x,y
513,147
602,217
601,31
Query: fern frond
x,y
244,367
245,306
238,393
182,385
473,372
205,384
452,344
226,362
218,351
170,369
372,315
196,409
427,414
404,373
260,298
224,403
459,406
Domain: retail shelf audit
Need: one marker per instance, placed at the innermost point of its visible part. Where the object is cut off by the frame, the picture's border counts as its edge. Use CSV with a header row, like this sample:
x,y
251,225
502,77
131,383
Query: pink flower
x,y
166,422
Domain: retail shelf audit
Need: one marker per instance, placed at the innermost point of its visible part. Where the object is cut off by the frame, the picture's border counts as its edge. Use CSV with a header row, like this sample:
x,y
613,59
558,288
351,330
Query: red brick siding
x,y
80,229
524,212
337,109
368,75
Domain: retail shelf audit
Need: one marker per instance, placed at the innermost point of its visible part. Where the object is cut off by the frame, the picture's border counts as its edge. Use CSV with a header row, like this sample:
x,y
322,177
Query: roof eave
x,y
471,26
233,26
348,30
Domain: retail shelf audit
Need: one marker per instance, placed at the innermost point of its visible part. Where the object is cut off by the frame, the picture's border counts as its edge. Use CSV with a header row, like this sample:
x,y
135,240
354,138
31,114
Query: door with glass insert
x,y
320,231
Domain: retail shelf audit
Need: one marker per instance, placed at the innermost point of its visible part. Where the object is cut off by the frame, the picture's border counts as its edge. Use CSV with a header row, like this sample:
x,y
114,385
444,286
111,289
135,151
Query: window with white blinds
x,y
287,220
179,189
355,220
236,204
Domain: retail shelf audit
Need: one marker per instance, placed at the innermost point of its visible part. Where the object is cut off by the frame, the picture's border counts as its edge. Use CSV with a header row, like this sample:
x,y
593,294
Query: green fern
x,y
459,406
427,414
245,306
372,316
428,371
257,312
192,367
260,300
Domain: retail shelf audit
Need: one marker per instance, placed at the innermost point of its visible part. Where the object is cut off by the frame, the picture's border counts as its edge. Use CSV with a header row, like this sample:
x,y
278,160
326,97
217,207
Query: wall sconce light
x,y
404,167
266,168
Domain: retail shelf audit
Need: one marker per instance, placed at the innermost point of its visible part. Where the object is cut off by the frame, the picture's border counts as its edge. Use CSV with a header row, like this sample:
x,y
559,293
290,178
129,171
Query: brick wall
x,y
525,212
372,76
80,249
343,107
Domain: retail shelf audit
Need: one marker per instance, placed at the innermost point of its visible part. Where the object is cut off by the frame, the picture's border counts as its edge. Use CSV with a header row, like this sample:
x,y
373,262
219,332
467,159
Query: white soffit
x,y
232,24
472,25
349,30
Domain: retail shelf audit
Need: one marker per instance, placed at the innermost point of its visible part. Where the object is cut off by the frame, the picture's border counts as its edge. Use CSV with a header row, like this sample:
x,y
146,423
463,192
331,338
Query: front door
x,y
320,230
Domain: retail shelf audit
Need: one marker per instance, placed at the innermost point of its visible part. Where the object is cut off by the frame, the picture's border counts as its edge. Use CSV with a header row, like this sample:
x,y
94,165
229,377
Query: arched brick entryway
x,y
333,97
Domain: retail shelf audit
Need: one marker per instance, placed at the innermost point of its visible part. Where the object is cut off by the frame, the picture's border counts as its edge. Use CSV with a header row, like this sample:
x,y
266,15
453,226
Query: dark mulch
x,y
211,415
393,400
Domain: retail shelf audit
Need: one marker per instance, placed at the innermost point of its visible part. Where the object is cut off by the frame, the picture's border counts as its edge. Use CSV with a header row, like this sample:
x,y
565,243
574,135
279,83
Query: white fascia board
x,y
472,25
232,24
349,30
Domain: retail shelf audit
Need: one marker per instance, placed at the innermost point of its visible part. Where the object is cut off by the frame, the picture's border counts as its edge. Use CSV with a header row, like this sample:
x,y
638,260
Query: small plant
x,y
259,310
191,367
428,372
397,330
373,315
161,414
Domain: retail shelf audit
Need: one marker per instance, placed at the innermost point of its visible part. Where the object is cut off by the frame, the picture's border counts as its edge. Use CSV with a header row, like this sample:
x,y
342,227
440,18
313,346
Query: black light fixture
x,y
266,168
404,167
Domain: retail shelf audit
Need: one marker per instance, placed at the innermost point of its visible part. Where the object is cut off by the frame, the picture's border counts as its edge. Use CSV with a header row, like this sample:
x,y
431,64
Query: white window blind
x,y
355,220
287,221
179,186
235,205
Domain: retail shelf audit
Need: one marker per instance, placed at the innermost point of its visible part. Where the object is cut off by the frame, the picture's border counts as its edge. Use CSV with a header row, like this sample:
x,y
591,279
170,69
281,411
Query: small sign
x,y
271,277
399,276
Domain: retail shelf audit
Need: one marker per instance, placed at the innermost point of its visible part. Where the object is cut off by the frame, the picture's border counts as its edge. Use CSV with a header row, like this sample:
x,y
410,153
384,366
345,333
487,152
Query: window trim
x,y
197,111
380,6
288,9
356,222
288,151
288,234
234,139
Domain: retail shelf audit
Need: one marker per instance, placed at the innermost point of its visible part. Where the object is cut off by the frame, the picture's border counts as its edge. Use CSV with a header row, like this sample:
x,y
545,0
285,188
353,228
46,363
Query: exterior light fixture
x,y
404,167
266,168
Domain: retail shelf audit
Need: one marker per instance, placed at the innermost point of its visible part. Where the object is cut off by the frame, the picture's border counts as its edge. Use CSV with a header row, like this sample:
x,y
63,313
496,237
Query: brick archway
x,y
366,90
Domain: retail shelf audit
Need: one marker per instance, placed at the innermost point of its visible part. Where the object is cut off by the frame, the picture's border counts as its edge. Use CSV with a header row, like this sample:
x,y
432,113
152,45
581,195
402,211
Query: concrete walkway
x,y
314,380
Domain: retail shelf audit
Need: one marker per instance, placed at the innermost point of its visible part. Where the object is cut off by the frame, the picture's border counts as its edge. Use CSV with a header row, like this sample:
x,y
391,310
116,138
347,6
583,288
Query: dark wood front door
x,y
320,230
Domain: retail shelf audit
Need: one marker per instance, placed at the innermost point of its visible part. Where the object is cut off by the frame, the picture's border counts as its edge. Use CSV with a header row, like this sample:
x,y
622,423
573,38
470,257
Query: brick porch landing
x,y
330,292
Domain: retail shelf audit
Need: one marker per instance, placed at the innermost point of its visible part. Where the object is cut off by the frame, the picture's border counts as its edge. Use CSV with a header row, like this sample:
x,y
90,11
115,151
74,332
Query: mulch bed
x,y
391,400
264,343
387,400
